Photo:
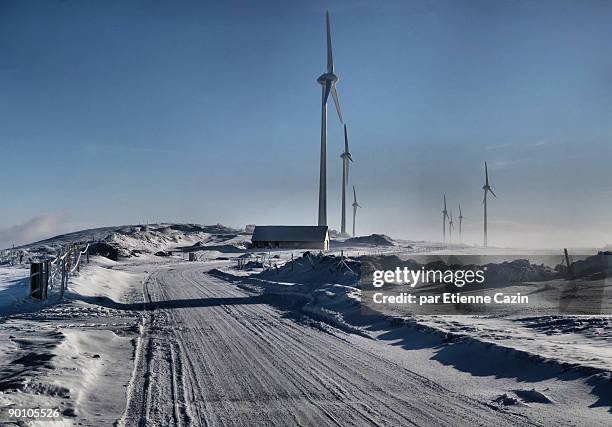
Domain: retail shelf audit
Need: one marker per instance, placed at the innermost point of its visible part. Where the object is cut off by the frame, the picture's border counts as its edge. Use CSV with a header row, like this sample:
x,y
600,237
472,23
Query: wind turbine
x,y
346,156
444,217
460,221
355,206
328,82
450,228
487,189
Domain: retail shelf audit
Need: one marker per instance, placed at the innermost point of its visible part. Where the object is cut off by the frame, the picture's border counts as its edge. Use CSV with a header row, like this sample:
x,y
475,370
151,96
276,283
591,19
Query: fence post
x,y
68,259
45,282
64,278
36,280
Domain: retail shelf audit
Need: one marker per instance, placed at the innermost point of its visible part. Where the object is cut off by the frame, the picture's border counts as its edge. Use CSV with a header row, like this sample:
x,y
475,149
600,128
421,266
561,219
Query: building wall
x,y
322,245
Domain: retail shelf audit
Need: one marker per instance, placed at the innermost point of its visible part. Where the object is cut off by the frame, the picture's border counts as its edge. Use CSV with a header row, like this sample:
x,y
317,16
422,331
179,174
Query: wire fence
x,y
51,275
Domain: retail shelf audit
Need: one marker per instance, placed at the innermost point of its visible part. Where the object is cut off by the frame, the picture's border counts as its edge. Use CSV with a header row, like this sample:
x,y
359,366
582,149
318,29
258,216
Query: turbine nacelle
x,y
355,204
327,77
488,188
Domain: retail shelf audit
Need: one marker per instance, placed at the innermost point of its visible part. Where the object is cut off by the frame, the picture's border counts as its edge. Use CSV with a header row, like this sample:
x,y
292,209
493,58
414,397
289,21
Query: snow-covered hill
x,y
129,240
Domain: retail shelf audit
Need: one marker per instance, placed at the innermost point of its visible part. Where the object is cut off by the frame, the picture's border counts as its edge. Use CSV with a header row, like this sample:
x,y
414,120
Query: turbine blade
x,y
326,93
486,174
346,150
330,56
336,101
493,193
354,195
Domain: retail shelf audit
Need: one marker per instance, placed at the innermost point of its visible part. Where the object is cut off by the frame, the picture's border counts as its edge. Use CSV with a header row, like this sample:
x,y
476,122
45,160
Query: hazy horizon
x,y
127,112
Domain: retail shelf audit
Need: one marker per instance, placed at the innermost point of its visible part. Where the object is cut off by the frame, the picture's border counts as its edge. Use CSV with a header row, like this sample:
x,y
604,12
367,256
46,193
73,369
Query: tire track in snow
x,y
222,357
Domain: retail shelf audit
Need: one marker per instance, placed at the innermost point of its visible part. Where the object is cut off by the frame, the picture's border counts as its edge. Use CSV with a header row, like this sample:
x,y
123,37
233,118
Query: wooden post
x,y
45,282
36,280
64,278
68,261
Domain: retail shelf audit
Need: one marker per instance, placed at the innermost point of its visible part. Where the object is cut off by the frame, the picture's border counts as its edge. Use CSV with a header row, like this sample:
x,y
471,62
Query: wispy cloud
x,y
37,228
117,148
539,143
521,145
498,165
498,146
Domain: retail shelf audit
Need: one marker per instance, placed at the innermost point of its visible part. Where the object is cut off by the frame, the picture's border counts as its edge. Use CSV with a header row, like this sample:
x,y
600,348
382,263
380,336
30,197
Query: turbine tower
x,y
355,206
460,222
487,189
346,156
444,217
450,228
328,82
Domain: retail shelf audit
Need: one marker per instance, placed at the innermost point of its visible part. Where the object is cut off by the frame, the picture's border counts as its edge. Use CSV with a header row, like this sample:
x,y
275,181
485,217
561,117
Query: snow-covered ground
x,y
551,350
74,354
85,354
14,284
333,290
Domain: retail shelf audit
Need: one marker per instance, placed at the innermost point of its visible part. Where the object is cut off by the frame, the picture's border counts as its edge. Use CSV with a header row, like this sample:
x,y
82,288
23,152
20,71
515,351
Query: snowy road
x,y
211,354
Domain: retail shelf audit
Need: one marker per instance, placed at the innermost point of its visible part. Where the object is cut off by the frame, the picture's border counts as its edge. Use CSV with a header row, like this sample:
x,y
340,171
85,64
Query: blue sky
x,y
118,112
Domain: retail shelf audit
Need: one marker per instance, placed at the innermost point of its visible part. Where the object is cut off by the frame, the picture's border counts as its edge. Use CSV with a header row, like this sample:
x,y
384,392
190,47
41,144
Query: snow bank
x,y
324,285
14,286
95,366
101,279
592,268
371,240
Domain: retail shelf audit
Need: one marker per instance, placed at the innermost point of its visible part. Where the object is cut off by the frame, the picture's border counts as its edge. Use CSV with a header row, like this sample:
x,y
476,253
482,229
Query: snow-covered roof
x,y
289,233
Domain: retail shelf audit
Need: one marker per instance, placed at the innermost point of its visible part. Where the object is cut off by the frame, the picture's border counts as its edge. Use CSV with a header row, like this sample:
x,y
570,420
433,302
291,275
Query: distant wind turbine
x,y
460,222
450,228
355,206
328,81
487,189
346,157
444,217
